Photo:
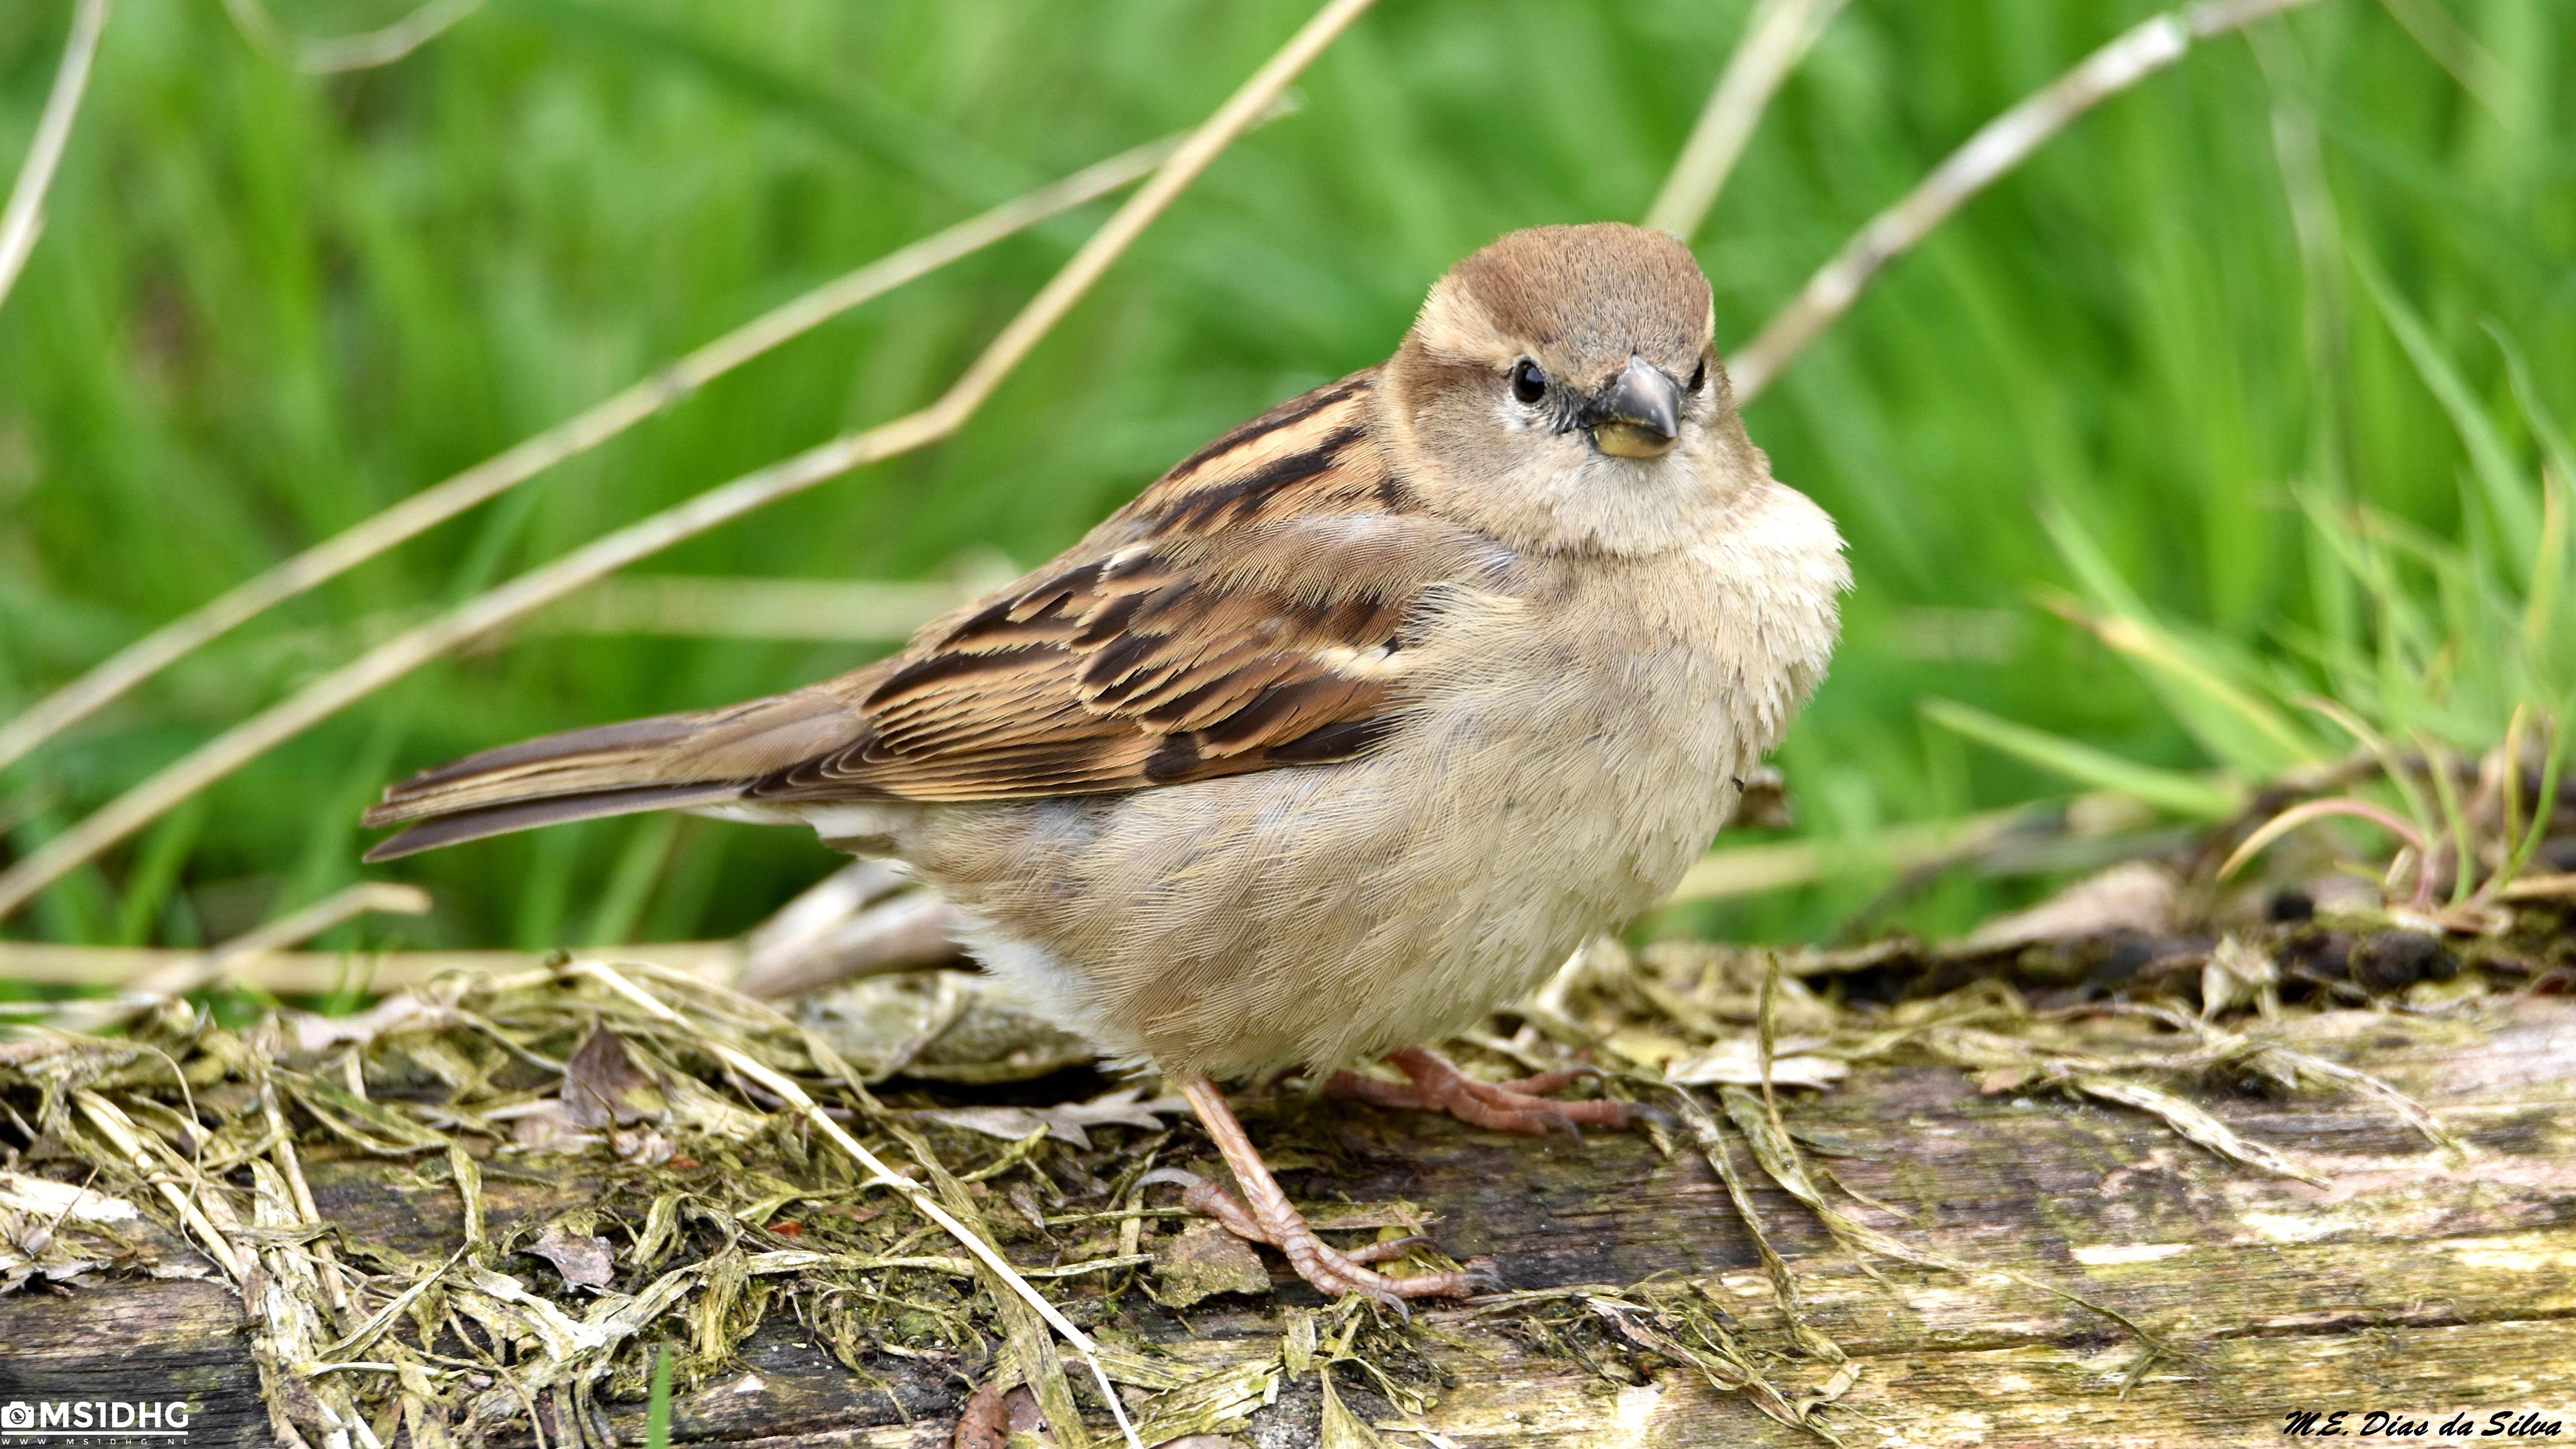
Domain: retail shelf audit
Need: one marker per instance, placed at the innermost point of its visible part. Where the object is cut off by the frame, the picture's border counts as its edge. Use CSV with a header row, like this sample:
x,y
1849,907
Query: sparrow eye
x,y
1699,375
1528,383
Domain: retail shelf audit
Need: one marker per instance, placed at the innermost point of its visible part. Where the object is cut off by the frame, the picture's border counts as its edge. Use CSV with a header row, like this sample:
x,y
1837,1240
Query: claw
x,y
1648,1112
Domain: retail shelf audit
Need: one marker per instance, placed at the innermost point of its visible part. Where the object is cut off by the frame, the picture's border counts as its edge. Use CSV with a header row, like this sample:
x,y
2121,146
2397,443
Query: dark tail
x,y
670,762
465,825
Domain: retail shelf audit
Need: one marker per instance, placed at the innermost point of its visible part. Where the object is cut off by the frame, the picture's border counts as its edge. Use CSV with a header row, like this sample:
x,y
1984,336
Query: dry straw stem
x,y
1755,869
882,1175
2096,816
1776,37
193,970
408,651
1998,146
704,606
363,51
440,502
318,973
25,215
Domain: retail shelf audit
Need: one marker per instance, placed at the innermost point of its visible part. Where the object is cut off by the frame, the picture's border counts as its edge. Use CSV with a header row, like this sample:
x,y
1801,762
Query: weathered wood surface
x,y
2403,1285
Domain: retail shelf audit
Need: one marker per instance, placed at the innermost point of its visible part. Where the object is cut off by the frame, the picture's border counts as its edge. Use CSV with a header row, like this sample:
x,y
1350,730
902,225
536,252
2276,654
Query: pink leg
x,y
1521,1106
1264,1215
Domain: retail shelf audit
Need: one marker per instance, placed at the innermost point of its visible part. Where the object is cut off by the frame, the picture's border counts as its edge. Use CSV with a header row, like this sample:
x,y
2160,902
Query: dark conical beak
x,y
1638,415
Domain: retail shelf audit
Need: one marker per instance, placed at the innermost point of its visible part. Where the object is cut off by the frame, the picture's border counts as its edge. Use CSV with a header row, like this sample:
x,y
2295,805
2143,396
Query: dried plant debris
x,y
925,1179
1065,1122
2141,930
703,1134
63,1233
947,1026
1203,1261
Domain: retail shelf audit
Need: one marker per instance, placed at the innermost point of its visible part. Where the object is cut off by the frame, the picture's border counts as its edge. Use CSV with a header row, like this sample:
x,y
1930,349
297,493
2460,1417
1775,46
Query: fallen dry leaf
x,y
2134,895
549,1128
604,1088
583,1261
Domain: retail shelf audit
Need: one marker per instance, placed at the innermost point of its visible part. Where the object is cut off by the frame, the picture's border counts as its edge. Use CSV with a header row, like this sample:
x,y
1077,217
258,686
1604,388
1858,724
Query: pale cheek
x,y
1563,467
1523,433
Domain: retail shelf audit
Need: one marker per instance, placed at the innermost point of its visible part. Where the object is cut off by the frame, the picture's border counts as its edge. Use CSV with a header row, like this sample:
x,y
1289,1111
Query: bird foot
x,y
1264,1215
1332,1271
1523,1105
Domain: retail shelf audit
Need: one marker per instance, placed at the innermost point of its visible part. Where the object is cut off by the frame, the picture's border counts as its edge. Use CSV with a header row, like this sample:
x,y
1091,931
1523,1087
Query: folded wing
x,y
1248,611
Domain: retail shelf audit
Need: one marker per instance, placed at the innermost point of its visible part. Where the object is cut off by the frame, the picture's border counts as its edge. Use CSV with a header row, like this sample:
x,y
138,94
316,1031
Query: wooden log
x,y
2403,1285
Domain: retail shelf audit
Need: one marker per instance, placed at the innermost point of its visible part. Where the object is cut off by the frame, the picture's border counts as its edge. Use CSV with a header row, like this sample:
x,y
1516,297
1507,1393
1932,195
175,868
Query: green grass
x,y
267,305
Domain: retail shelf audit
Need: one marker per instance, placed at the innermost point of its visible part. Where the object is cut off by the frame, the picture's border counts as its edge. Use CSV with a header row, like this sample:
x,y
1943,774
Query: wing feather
x,y
1246,612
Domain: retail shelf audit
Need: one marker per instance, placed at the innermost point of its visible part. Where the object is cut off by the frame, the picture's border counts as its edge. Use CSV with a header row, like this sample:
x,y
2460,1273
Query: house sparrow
x,y
1348,730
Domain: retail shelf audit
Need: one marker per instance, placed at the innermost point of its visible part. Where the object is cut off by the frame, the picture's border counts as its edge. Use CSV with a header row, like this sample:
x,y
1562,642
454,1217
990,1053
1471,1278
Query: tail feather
x,y
634,736
463,825
668,762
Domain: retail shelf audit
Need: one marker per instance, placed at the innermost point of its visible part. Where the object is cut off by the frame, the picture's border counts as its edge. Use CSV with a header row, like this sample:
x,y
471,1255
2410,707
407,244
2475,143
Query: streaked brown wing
x,y
1246,612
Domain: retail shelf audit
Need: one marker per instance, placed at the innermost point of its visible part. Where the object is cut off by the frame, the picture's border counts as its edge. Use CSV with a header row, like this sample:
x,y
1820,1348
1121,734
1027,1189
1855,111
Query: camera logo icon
x,y
18,1415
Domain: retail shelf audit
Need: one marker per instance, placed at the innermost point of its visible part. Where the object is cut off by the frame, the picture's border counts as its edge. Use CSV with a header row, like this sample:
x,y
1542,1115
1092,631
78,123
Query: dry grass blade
x,y
1753,869
25,215
1029,1353
2298,815
1711,1140
308,1214
2291,1068
439,502
1776,37
120,1133
1340,1428
313,920
2415,1114
2193,1123
881,1176
149,800
1996,148
395,1307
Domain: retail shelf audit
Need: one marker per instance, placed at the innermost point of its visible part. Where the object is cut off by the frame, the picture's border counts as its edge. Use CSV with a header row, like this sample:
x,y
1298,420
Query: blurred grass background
x,y
268,304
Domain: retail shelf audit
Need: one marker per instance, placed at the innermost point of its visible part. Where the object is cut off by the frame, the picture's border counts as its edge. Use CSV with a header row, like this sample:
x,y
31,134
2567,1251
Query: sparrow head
x,y
1558,390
